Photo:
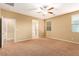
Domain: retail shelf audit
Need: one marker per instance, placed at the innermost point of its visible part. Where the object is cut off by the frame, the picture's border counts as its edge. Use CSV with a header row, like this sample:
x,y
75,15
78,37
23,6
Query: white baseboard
x,y
51,38
64,40
23,40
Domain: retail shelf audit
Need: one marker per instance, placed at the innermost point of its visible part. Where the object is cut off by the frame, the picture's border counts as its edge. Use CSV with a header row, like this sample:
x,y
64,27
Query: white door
x,y
8,30
4,31
35,30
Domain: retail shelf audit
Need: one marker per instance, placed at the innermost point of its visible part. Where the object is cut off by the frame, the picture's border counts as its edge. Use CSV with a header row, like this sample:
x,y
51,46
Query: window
x,y
75,23
48,25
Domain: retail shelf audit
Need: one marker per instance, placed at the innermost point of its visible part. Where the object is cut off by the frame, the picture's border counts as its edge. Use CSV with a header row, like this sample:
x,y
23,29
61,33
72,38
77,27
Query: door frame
x,y
6,30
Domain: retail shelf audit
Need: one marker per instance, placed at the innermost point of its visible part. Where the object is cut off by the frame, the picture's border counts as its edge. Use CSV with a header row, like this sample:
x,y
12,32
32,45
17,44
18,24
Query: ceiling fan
x,y
46,10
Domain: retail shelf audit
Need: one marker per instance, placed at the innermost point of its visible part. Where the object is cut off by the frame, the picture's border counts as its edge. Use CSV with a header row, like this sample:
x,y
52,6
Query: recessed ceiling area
x,y
41,10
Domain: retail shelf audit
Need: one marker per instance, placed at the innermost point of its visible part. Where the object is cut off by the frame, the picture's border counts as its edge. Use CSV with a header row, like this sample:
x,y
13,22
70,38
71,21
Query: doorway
x,y
8,30
35,29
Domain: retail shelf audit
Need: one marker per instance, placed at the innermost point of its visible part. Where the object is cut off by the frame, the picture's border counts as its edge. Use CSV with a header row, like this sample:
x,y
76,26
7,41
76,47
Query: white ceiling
x,y
31,8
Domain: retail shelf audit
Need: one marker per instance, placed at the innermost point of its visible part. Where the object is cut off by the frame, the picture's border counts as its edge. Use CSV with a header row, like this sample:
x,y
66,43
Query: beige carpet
x,y
40,47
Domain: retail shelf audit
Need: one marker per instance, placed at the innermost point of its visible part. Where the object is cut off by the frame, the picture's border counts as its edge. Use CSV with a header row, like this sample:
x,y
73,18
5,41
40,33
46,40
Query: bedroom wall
x,y
62,28
10,29
41,28
23,24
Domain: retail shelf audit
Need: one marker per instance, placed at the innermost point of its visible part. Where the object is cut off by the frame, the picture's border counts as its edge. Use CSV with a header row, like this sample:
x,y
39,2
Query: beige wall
x,y
62,28
41,28
23,24
10,29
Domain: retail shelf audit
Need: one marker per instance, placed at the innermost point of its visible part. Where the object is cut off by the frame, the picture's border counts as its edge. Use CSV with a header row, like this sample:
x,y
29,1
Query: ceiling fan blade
x,y
51,8
41,8
51,13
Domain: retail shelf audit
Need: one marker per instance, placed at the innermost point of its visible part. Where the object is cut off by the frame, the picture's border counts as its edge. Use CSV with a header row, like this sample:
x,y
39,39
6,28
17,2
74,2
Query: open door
x,y
4,31
8,30
35,29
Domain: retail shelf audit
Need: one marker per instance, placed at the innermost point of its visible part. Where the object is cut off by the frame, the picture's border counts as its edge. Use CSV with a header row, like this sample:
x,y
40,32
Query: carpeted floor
x,y
40,47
